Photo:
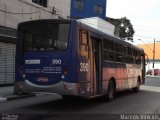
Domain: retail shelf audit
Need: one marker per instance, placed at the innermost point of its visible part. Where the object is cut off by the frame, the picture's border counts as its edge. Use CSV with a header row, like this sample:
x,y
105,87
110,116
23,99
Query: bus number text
x,y
56,61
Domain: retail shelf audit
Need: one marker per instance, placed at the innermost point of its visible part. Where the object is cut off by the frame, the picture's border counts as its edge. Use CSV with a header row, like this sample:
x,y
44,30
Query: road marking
x,y
150,88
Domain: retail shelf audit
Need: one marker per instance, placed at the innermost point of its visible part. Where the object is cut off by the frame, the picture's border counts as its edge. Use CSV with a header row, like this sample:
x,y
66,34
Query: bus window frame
x,y
22,32
107,51
118,49
85,44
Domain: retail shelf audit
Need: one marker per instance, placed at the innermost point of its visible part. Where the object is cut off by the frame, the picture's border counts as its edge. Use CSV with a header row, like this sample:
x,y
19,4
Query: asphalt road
x,y
52,107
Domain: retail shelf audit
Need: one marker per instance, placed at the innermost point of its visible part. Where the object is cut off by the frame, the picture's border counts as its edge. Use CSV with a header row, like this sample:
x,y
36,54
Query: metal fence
x,y
7,68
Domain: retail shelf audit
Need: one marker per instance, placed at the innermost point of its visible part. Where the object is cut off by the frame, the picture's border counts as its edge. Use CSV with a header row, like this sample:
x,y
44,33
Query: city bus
x,y
71,58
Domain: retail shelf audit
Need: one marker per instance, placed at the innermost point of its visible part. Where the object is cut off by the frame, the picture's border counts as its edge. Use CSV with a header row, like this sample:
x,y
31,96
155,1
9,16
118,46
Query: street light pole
x,y
153,57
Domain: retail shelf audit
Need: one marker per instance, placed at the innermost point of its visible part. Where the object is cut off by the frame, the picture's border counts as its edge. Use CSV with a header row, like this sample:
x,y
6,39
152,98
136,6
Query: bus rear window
x,y
45,37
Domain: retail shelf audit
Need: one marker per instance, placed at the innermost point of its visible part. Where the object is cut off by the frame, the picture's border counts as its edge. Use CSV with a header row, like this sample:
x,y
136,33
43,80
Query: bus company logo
x,y
32,61
42,79
84,67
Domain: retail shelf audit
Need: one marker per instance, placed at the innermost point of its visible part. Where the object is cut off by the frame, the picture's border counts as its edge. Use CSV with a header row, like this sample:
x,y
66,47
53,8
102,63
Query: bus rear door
x,y
96,63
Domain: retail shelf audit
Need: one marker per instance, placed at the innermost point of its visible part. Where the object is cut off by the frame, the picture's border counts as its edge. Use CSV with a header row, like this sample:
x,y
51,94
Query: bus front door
x,y
96,61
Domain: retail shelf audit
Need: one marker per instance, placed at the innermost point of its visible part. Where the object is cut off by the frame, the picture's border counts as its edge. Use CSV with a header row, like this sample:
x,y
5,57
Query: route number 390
x,y
56,61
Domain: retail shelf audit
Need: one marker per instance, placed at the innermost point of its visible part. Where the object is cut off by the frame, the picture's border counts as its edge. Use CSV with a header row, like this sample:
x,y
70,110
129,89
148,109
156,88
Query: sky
x,y
143,14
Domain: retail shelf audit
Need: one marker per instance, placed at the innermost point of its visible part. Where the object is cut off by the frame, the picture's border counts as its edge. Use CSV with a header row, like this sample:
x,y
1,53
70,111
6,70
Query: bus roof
x,y
87,25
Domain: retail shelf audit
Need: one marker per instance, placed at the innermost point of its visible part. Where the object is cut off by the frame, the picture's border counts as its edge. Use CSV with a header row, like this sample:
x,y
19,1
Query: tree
x,y
123,28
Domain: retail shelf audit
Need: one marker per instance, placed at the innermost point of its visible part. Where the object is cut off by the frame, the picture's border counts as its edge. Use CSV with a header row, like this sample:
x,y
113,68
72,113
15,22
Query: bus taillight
x,y
65,71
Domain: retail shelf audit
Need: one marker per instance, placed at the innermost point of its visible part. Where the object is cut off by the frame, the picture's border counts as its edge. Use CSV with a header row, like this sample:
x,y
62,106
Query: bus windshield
x,y
45,36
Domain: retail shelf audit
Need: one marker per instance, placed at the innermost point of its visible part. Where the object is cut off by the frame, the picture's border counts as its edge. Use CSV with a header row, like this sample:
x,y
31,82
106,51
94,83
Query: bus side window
x,y
119,52
137,57
108,50
84,44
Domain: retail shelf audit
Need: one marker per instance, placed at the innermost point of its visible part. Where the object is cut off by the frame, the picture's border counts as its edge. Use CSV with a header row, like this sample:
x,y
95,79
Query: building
x,y
14,11
78,9
148,48
61,7
11,13
88,8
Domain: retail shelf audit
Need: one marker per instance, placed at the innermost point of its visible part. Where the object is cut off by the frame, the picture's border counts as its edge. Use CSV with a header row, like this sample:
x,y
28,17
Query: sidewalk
x,y
6,94
153,76
6,91
150,88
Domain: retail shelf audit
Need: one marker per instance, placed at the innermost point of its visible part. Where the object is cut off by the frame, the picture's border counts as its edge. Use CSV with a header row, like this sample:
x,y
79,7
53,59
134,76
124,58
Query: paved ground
x,y
150,88
7,92
50,107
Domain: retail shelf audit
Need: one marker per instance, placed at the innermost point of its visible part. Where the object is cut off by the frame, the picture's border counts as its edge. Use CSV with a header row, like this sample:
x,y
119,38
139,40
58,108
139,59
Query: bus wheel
x,y
137,89
110,91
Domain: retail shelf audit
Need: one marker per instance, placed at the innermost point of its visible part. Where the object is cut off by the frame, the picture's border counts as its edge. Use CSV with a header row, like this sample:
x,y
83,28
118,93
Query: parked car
x,y
156,72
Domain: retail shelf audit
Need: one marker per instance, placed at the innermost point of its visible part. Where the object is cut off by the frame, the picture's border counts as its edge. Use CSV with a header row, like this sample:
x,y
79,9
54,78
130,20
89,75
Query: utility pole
x,y
153,57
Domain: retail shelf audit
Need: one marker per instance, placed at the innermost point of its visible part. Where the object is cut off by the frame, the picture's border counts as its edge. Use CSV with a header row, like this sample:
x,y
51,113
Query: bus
x,y
71,58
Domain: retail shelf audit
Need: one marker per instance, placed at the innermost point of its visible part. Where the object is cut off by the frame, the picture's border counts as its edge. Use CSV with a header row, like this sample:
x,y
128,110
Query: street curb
x,y
150,76
16,97
3,100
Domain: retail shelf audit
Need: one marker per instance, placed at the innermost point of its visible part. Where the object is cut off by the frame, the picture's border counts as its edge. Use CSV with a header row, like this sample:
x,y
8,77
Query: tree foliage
x,y
123,28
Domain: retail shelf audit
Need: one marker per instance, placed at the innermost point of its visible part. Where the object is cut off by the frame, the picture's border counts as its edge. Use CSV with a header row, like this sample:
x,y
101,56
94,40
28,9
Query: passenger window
x,y
107,44
125,50
118,48
129,51
84,44
138,58
84,38
118,57
109,56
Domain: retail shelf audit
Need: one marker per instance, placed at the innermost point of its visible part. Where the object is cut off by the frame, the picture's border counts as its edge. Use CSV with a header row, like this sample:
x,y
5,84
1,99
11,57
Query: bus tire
x,y
110,91
137,89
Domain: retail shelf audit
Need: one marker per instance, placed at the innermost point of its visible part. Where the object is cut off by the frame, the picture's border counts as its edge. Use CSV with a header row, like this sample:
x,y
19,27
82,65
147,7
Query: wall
x,y
88,9
14,11
62,7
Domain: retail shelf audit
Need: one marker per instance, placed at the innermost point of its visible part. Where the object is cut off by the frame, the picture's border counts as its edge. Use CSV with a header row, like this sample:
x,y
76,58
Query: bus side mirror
x,y
147,59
